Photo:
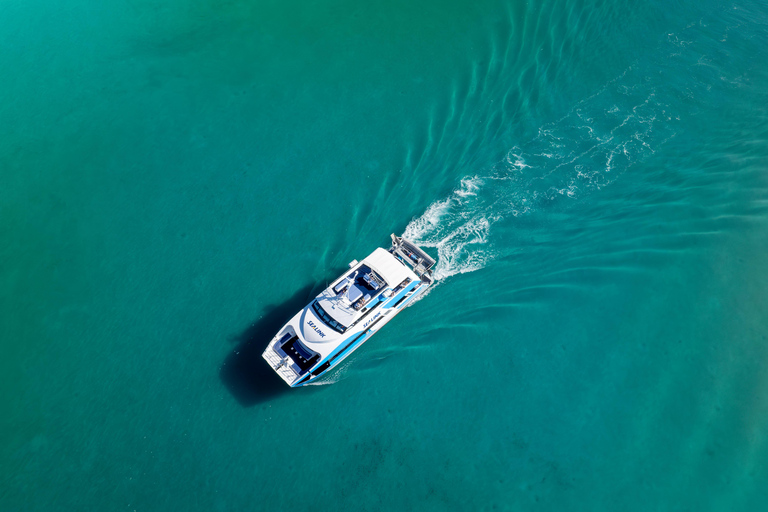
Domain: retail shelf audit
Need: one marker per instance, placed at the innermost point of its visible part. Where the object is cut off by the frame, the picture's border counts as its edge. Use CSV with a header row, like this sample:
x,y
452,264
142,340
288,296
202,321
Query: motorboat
x,y
349,311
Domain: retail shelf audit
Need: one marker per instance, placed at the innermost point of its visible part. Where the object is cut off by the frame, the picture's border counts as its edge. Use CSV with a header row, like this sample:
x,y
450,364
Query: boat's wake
x,y
585,150
600,138
457,227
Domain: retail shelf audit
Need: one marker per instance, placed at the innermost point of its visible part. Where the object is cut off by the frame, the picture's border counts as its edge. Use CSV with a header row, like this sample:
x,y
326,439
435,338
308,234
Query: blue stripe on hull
x,y
339,357
340,354
416,293
401,294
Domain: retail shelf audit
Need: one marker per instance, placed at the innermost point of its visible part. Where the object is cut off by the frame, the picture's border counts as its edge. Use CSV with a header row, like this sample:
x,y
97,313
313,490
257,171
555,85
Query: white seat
x,y
339,287
355,292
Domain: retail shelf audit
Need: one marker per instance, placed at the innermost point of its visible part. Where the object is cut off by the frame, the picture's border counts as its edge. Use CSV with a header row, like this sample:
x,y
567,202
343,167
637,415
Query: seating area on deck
x,y
360,286
299,354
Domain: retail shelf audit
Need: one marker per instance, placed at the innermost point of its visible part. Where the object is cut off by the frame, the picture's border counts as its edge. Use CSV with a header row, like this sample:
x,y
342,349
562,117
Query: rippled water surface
x,y
177,180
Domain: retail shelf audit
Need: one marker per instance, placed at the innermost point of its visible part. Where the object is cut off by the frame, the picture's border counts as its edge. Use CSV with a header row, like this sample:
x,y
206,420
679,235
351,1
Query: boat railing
x,y
410,253
279,364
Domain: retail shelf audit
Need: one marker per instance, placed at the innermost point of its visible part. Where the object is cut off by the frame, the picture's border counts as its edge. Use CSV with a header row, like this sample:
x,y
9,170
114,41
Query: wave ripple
x,y
625,121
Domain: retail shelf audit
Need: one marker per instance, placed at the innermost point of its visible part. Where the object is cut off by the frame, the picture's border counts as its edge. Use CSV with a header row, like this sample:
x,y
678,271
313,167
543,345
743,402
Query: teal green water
x,y
177,179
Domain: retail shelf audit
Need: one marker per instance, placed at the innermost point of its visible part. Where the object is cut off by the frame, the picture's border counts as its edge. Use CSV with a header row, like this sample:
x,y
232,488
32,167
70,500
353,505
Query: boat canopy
x,y
388,267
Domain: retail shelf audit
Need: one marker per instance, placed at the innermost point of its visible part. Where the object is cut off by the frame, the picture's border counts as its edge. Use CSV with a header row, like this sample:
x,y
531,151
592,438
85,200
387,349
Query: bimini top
x,y
388,267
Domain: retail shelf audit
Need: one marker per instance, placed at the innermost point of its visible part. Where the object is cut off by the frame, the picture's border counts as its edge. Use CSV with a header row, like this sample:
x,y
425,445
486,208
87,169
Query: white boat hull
x,y
347,313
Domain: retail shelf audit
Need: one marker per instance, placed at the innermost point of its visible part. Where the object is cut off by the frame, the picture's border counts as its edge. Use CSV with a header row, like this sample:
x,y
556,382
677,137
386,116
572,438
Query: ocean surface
x,y
178,178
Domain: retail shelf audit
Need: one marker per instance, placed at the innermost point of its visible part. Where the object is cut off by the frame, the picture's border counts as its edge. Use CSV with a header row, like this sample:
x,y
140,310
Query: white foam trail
x,y
585,150
573,155
452,227
600,138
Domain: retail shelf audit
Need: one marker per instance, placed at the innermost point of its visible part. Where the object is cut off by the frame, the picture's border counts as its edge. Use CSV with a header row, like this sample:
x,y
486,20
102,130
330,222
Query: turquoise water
x,y
177,179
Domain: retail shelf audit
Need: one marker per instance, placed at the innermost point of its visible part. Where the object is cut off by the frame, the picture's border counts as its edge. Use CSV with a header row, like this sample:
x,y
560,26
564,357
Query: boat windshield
x,y
327,319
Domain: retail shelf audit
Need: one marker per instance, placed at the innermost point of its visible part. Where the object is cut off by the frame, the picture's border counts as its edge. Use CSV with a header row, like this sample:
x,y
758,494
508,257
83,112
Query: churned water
x,y
178,178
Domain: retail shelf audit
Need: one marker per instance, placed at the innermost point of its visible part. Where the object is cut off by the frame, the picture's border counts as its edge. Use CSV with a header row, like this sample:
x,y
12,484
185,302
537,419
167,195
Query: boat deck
x,y
275,361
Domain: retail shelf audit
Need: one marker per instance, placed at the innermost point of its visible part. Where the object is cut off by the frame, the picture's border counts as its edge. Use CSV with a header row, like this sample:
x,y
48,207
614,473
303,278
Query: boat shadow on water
x,y
246,375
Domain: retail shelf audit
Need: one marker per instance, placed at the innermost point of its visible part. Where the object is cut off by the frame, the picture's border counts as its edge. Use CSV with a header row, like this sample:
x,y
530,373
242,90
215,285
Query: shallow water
x,y
177,180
